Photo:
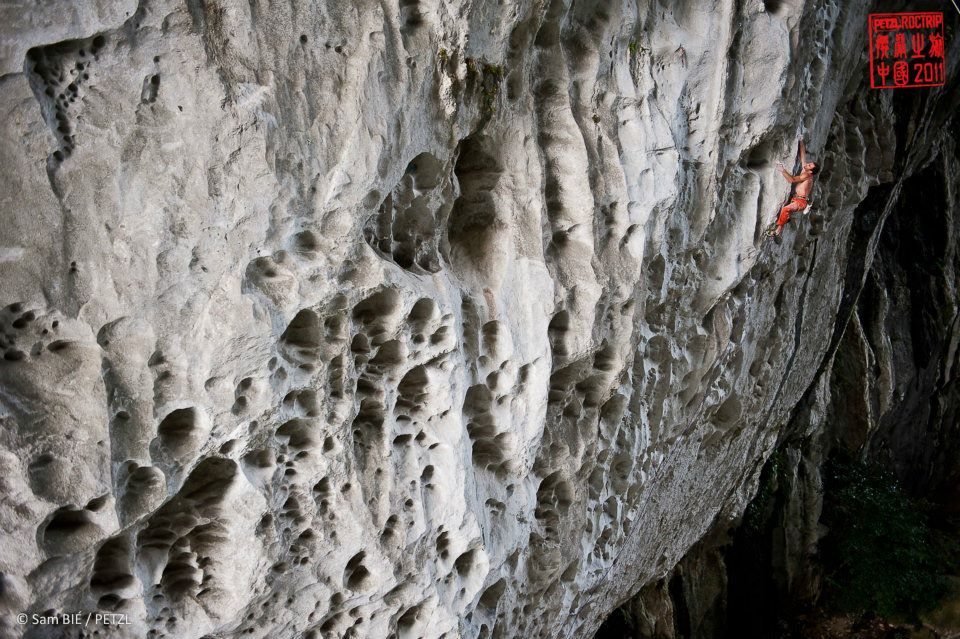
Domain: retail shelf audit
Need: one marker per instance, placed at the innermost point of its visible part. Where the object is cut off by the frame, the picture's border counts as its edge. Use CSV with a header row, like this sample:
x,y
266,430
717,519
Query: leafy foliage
x,y
880,555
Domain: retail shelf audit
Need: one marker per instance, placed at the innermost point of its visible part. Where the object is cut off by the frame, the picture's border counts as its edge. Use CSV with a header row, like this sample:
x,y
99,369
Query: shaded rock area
x,y
452,319
887,394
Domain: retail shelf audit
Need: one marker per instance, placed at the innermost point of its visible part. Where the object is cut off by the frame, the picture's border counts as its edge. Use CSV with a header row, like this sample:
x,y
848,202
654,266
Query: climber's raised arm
x,y
801,193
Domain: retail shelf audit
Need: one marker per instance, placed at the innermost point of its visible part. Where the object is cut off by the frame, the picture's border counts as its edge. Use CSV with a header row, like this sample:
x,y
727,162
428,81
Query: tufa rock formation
x,y
438,318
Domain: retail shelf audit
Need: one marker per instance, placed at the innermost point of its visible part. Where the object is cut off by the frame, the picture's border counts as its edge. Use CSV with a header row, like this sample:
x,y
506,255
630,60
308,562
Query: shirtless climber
x,y
801,196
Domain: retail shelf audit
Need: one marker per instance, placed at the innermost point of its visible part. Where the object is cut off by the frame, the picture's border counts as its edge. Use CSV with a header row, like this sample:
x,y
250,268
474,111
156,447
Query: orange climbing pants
x,y
796,204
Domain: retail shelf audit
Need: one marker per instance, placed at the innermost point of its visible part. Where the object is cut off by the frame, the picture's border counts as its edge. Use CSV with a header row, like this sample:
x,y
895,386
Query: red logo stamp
x,y
906,50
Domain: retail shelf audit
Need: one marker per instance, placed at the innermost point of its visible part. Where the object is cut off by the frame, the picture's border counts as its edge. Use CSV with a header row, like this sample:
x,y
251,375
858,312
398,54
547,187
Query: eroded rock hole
x,y
473,224
58,74
69,530
177,430
300,342
151,87
355,573
111,569
405,228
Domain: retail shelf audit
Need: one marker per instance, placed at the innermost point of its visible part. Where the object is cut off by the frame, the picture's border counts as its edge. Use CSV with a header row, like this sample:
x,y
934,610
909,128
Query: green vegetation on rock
x,y
880,554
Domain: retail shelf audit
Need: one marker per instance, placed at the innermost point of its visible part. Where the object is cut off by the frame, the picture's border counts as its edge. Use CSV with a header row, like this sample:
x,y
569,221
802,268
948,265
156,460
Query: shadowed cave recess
x,y
447,319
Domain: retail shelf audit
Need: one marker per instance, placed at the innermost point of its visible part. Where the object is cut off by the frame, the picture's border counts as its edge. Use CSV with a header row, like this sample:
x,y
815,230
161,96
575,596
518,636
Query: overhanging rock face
x,y
328,319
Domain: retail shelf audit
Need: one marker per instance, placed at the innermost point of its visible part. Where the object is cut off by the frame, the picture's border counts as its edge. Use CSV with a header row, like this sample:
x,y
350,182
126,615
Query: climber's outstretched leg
x,y
796,204
803,187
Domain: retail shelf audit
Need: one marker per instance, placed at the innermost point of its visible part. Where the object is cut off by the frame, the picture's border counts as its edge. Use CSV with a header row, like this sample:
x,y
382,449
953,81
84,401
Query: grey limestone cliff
x,y
444,318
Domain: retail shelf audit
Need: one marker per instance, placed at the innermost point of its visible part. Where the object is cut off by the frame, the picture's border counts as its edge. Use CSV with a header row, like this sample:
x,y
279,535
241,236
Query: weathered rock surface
x,y
328,319
887,390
